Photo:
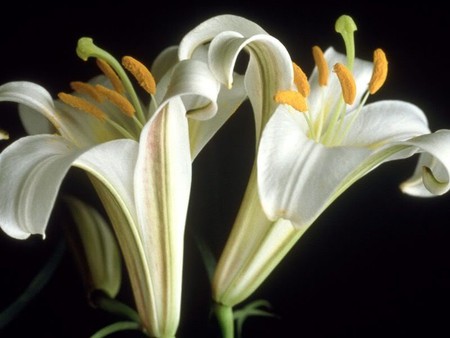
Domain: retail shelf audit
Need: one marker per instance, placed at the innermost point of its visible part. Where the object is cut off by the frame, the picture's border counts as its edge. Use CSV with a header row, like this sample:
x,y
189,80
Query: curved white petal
x,y
162,186
164,61
382,122
229,100
208,29
269,68
32,170
432,173
193,82
298,178
32,95
34,123
113,163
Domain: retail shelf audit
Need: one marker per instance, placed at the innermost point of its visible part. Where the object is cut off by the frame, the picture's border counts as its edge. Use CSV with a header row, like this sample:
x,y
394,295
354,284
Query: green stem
x,y
224,315
111,305
33,289
116,327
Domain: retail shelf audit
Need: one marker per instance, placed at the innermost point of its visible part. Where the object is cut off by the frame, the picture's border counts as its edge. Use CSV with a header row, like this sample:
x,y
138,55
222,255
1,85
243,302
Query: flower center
x,y
121,94
328,122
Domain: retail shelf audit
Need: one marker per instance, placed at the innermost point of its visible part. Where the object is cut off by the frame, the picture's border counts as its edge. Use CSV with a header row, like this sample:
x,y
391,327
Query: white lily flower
x,y
220,40
318,141
307,159
138,158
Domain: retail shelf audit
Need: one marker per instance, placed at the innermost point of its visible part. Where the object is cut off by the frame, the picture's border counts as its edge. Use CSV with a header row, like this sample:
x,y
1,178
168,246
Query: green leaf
x,y
254,308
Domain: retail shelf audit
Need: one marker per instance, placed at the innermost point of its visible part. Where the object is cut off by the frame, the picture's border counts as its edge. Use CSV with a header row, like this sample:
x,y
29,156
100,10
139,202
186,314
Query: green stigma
x,y
86,49
346,27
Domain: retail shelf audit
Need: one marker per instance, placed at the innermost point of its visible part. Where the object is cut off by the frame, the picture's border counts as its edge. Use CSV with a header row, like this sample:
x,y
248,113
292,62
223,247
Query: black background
x,y
375,264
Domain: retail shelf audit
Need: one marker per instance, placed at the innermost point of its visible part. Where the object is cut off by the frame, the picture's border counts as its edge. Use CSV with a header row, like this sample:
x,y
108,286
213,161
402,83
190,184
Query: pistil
x,y
86,49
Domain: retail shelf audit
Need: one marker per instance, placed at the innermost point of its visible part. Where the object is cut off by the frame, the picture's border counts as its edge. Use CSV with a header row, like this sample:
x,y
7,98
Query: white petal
x,y
164,61
228,102
297,177
432,173
269,69
34,123
162,187
208,29
193,82
386,121
113,163
32,170
35,97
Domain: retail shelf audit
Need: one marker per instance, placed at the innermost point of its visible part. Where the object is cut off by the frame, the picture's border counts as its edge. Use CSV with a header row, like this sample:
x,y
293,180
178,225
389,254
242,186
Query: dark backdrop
x,y
375,264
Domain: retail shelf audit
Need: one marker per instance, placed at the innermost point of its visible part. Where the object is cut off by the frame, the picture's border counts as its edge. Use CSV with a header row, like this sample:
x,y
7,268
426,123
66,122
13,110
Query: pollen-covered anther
x,y
380,70
86,88
83,105
301,80
111,75
117,99
322,66
141,73
293,99
347,82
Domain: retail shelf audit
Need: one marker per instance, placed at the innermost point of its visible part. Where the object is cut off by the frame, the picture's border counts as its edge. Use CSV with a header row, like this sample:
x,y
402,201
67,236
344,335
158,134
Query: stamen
x,y
292,98
380,70
86,88
83,105
346,27
141,73
300,80
322,66
347,82
118,99
86,49
111,75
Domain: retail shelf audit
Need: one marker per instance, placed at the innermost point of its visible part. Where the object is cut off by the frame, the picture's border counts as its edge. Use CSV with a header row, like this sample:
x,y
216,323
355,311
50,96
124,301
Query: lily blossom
x,y
308,158
318,139
131,153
